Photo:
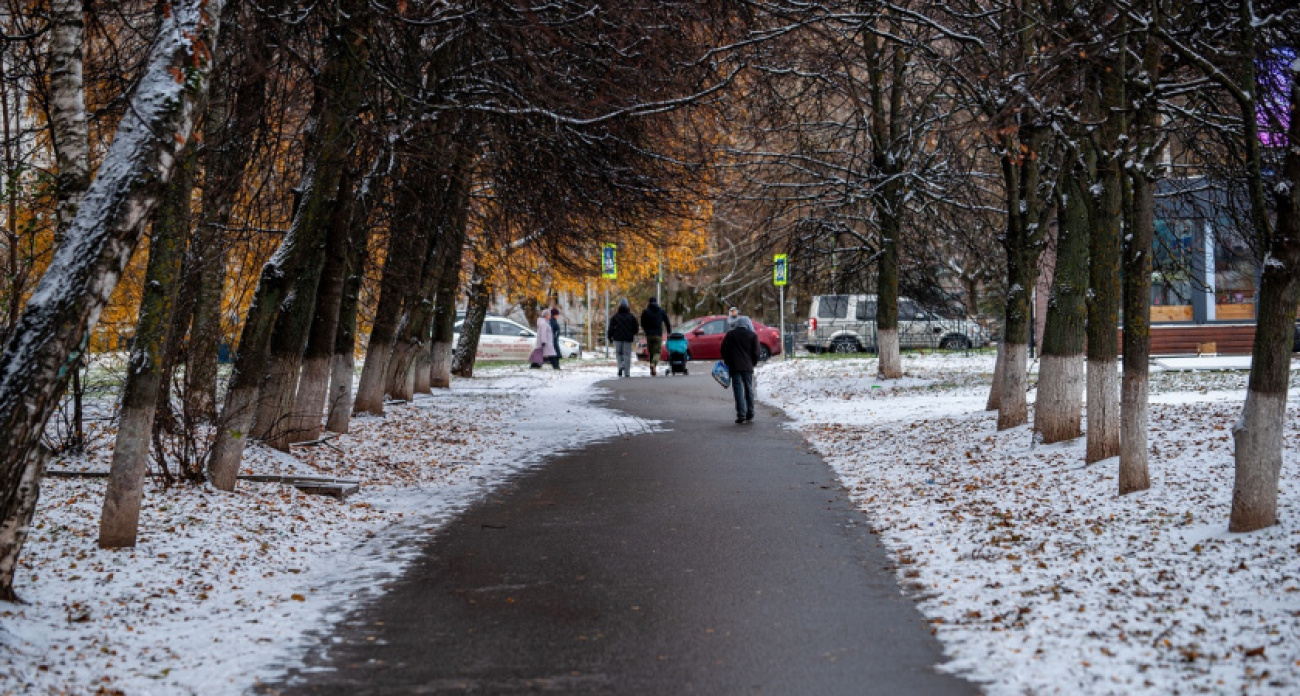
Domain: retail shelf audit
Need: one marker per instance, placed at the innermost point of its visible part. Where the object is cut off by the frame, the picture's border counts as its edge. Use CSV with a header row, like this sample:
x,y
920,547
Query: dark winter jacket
x,y
740,348
654,320
622,326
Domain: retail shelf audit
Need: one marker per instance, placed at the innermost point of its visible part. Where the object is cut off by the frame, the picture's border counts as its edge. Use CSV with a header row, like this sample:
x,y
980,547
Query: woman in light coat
x,y
545,340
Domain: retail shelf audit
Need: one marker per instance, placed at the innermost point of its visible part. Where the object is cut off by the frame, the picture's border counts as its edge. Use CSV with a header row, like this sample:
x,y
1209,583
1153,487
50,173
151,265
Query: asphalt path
x,y
706,558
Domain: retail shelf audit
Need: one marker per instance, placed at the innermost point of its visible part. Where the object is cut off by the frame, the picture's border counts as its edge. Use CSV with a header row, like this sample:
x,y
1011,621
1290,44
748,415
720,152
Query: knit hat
x,y
624,303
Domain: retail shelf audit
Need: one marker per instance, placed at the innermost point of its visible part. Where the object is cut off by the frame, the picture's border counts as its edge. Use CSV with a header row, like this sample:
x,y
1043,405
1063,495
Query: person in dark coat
x,y
740,354
654,322
621,331
555,336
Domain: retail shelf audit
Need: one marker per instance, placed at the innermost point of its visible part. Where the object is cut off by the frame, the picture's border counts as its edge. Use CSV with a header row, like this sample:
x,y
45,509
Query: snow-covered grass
x,y
1036,576
227,589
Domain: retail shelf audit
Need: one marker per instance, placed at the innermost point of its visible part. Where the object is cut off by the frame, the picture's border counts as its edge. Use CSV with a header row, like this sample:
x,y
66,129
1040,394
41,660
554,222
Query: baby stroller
x,y
678,353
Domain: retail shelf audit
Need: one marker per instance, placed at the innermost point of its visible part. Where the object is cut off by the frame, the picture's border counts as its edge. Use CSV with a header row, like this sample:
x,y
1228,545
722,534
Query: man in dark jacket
x,y
621,330
740,354
654,322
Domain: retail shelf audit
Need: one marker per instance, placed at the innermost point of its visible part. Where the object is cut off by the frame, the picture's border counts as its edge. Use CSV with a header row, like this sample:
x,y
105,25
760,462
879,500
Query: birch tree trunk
x,y
57,321
1058,410
331,138
120,519
67,111
1257,437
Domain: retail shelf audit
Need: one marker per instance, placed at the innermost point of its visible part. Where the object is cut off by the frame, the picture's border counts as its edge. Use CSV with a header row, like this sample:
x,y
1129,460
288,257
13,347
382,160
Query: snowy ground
x,y
224,590
1035,575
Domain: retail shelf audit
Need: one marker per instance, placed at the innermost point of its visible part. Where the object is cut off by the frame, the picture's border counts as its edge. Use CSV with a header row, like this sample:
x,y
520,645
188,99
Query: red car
x,y
704,336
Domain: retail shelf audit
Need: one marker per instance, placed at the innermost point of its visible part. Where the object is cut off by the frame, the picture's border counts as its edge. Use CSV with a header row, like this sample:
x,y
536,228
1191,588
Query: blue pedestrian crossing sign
x,y
608,264
781,270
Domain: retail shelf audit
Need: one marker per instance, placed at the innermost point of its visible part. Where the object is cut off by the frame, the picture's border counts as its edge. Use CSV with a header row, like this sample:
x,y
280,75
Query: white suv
x,y
847,324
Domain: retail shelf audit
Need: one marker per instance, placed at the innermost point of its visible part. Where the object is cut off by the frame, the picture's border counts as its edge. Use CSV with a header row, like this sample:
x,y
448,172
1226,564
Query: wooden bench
x,y
1188,339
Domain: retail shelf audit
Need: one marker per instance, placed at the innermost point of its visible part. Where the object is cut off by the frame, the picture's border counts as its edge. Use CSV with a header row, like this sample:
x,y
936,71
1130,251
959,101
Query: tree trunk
x,y
313,385
1103,272
1021,167
1103,319
1257,437
237,106
143,387
890,363
444,310
417,316
342,363
1058,410
67,112
995,389
1133,474
328,143
480,295
56,323
1138,249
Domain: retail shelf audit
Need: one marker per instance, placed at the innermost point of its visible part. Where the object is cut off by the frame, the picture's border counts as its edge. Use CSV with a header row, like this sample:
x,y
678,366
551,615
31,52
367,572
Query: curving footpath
x,y
709,558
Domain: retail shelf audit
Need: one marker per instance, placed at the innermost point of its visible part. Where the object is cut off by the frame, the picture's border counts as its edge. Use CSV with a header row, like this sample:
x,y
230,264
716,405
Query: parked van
x,y
847,324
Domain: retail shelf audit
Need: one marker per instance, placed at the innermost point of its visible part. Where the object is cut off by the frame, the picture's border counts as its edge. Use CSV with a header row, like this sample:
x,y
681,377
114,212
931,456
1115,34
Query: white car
x,y
503,339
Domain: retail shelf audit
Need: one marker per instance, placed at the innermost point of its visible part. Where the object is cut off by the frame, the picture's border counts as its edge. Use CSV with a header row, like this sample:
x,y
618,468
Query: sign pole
x,y
780,276
589,317
785,354
659,282
608,271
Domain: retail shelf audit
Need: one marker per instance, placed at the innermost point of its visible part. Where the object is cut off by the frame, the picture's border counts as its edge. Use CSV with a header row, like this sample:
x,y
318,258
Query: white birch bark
x,y
70,135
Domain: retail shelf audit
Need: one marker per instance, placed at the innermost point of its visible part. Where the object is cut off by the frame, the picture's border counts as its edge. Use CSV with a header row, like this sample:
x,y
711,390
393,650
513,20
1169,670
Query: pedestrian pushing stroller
x,y
678,353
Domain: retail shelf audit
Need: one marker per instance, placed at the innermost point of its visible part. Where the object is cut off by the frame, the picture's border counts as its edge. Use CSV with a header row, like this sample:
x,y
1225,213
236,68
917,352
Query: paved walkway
x,y
711,558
